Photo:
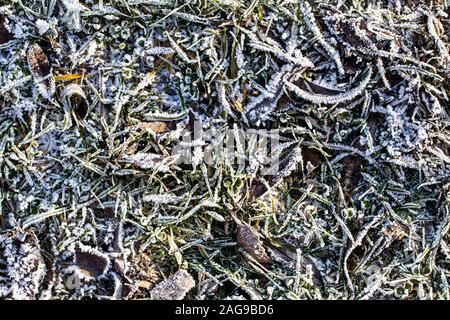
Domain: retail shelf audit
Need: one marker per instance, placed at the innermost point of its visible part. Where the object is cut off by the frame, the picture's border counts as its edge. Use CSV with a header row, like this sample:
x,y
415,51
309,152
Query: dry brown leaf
x,y
249,240
5,35
90,262
175,287
41,70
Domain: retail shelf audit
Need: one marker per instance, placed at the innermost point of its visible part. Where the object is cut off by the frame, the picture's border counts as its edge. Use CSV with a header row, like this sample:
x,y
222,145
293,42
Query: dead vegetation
x,y
96,95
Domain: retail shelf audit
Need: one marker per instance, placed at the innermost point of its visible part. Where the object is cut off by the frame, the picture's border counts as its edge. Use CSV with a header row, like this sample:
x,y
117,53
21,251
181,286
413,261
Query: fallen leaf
x,y
249,240
175,287
90,262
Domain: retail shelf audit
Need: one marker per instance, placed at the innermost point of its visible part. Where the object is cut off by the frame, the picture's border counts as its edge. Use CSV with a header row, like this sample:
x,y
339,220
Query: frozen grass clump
x,y
97,201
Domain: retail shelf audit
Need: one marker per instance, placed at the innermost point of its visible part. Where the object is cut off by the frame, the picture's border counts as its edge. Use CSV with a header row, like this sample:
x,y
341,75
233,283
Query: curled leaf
x,y
22,267
90,262
150,161
41,70
75,96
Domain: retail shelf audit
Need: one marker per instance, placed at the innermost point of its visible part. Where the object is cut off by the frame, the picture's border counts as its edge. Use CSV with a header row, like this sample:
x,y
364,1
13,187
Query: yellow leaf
x,y
238,106
67,77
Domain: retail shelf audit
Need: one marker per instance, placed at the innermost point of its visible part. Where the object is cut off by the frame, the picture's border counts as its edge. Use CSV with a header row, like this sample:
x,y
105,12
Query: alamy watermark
x,y
247,149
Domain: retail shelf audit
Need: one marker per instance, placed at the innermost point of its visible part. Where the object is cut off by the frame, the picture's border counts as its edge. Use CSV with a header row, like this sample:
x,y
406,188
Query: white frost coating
x,y
41,70
434,28
23,107
293,55
21,266
73,16
46,86
154,2
328,99
73,89
180,51
302,61
263,105
150,161
175,287
60,175
310,21
159,51
89,269
14,84
294,158
157,115
148,80
223,98
74,6
161,199
230,3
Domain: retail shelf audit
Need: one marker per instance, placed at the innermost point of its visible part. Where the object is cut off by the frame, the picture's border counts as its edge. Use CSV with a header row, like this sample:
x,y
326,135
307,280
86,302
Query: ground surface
x,y
349,103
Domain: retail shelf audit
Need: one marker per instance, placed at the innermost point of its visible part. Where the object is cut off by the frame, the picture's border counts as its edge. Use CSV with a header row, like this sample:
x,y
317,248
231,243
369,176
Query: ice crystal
x,y
175,287
332,99
294,149
22,267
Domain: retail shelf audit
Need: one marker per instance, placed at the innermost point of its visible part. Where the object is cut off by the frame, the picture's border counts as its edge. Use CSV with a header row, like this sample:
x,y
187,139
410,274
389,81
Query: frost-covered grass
x,y
94,201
